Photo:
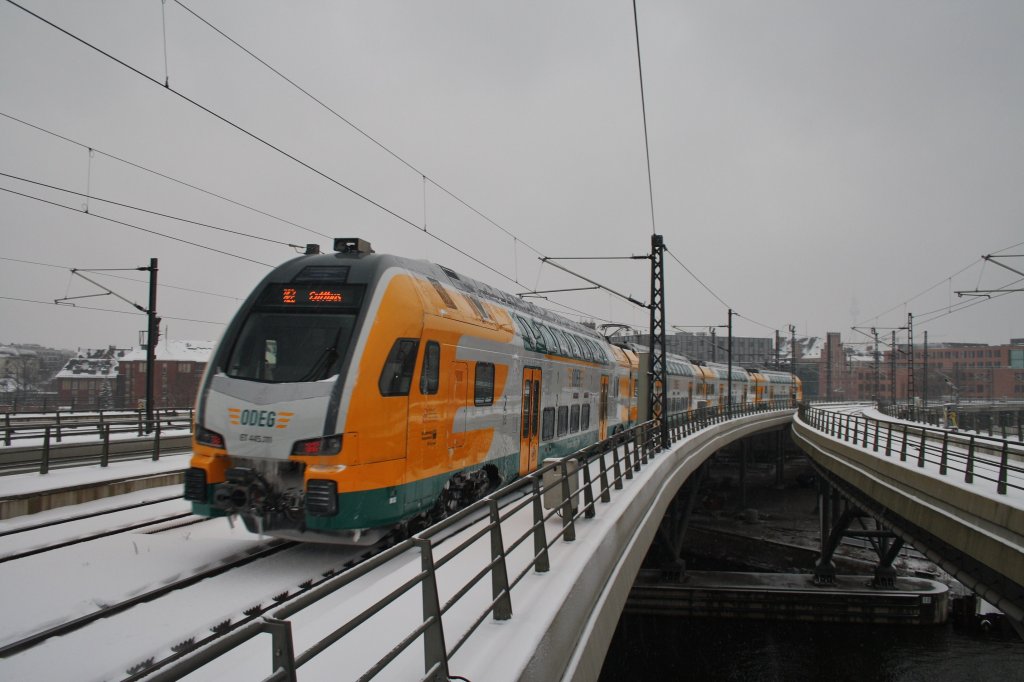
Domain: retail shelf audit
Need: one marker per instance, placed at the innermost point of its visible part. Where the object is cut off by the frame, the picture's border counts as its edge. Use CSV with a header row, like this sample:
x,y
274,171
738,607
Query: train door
x,y
529,434
457,405
602,410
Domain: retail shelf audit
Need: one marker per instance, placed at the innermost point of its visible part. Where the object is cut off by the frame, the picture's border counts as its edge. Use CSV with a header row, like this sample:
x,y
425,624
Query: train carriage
x,y
356,393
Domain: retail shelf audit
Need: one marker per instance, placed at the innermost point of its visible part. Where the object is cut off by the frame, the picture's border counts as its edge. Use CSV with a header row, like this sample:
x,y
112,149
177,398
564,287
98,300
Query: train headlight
x,y
210,438
328,445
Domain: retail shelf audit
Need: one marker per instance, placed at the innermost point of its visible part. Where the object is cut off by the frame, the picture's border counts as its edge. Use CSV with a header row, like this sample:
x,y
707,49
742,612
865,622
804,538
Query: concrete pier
x,y
781,596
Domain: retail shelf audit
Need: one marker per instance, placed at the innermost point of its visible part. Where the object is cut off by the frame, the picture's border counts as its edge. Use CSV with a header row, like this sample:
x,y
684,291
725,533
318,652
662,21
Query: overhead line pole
x,y
152,336
658,368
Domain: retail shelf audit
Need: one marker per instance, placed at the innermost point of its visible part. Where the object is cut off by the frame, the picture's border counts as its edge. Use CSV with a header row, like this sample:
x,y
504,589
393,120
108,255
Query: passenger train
x,y
357,394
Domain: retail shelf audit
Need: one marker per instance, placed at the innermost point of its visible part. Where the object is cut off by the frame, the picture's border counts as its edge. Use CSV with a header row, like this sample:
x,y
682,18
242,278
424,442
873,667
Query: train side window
x,y
547,428
396,377
431,368
585,417
574,419
483,384
525,332
563,420
540,342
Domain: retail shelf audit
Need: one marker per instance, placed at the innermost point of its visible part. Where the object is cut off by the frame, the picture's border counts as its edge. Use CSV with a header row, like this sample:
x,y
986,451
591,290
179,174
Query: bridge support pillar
x,y
780,454
836,515
672,530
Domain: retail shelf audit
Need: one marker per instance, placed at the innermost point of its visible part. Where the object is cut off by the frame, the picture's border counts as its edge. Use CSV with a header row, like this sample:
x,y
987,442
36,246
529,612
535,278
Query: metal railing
x,y
604,467
58,424
973,456
1004,419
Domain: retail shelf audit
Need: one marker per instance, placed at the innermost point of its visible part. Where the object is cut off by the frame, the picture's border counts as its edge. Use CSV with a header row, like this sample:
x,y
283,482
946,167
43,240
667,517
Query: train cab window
x,y
574,419
483,384
563,420
396,377
547,427
290,347
585,417
431,368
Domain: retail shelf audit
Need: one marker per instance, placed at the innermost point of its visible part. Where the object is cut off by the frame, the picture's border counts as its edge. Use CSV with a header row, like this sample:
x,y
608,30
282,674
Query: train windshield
x,y
290,347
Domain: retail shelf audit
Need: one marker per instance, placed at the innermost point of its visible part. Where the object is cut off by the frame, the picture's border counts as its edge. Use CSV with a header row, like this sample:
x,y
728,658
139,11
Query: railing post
x,y
58,427
864,443
568,520
105,455
945,453
7,428
606,495
139,413
283,654
903,447
924,448
435,656
44,465
156,442
499,572
626,461
540,538
1001,488
888,439
588,491
874,444
969,469
616,470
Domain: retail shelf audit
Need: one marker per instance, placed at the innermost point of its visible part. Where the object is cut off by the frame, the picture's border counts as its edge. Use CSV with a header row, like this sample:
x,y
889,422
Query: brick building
x,y
980,372
116,378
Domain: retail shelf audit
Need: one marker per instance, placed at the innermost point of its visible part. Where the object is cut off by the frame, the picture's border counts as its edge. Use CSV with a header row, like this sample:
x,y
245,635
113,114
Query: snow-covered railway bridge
x,y
957,497
533,589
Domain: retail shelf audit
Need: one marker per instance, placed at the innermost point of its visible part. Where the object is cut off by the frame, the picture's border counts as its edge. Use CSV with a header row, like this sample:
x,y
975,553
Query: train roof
x,y
366,267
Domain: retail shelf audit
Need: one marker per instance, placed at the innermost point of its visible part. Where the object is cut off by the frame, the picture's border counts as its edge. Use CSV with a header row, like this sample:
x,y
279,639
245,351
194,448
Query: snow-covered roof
x,y
103,364
91,364
172,350
807,347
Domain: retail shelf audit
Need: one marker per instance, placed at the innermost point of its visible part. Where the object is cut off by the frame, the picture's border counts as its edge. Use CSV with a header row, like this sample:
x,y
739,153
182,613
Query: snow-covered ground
x,y
60,585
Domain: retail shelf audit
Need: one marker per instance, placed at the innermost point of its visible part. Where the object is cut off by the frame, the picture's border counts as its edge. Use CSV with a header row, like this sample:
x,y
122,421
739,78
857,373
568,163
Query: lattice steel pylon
x,y
657,368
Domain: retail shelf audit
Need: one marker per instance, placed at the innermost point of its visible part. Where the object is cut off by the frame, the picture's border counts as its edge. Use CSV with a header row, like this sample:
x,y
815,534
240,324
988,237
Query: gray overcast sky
x,y
815,163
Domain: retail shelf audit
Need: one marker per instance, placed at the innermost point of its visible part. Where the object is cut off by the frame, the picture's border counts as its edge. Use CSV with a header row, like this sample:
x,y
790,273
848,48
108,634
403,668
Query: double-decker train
x,y
355,394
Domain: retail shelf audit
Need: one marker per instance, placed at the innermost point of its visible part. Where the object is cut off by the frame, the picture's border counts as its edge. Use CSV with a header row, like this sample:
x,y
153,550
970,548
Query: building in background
x,y
712,347
116,377
943,372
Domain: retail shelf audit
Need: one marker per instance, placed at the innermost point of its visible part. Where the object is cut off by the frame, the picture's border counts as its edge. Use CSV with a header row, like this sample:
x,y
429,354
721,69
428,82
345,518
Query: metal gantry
x,y
657,400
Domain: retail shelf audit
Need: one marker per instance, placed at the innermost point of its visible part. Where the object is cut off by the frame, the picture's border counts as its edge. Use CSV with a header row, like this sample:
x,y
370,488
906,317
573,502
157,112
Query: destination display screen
x,y
312,295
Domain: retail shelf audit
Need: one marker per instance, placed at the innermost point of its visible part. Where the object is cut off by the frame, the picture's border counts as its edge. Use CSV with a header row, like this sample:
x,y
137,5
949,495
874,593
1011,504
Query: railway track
x,y
103,534
113,609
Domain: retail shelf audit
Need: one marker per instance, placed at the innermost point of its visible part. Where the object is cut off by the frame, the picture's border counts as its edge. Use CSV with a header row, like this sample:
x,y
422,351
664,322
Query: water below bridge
x,y
662,648
648,647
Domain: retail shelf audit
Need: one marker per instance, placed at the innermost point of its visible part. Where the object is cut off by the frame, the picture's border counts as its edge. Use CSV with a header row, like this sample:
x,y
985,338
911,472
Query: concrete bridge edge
x,y
574,649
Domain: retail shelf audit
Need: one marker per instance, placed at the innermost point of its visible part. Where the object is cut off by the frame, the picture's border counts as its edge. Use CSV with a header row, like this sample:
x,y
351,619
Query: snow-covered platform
x,y
30,493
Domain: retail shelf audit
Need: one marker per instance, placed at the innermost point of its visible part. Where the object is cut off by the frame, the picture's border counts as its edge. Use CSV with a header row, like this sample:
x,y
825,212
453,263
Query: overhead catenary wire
x,y
945,280
288,155
160,285
164,176
426,178
133,226
149,211
259,139
643,111
106,310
